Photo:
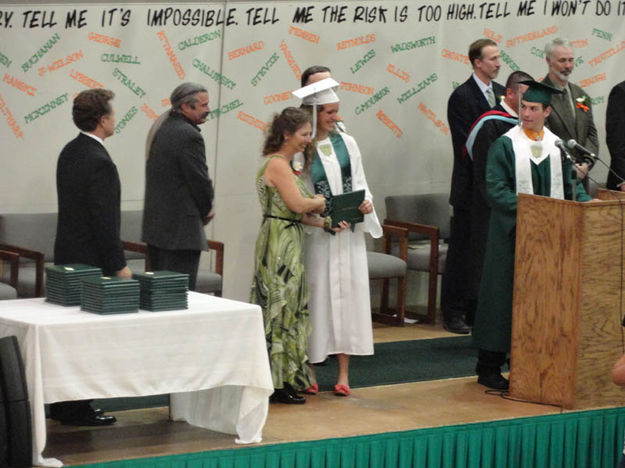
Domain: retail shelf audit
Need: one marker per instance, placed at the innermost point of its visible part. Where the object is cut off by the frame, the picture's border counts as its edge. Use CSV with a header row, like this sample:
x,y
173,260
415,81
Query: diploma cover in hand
x,y
345,208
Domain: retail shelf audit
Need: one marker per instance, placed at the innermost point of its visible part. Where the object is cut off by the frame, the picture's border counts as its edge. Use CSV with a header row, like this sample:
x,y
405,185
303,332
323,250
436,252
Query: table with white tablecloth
x,y
211,358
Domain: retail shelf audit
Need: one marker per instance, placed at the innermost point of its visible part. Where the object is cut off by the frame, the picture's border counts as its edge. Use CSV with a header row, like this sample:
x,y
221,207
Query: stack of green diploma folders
x,y
63,282
110,295
163,290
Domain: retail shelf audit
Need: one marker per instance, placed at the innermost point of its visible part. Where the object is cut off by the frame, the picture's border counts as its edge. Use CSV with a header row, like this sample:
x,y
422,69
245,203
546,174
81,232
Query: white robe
x,y
337,273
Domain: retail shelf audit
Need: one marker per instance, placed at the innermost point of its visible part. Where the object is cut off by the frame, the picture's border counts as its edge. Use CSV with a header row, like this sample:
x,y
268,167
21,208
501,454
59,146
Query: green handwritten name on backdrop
x,y
43,50
4,60
602,34
508,61
409,45
125,119
420,87
43,110
224,109
265,68
537,52
197,40
362,62
372,100
128,83
213,74
120,58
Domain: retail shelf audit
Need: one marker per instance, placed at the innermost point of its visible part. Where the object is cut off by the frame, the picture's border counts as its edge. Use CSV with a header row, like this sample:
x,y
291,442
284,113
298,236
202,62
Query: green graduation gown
x,y
493,320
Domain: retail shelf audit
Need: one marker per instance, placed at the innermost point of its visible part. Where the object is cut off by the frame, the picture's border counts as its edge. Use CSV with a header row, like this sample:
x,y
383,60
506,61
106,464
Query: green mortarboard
x,y
538,92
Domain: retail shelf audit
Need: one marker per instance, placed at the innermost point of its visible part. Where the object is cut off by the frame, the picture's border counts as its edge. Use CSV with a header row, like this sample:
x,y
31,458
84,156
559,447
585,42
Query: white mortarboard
x,y
316,94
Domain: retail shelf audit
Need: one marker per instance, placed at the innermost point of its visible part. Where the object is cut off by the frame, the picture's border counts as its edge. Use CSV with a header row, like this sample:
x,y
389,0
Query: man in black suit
x,y
178,190
486,129
571,112
89,196
468,101
615,136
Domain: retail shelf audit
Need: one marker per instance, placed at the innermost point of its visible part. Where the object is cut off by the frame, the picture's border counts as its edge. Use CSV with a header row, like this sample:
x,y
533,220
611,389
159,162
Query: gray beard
x,y
562,77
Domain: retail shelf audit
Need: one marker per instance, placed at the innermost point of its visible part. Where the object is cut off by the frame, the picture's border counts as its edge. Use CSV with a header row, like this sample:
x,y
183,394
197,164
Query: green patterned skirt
x,y
279,287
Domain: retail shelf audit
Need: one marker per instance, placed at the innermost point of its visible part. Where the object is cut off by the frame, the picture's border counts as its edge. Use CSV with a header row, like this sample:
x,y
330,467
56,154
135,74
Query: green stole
x,y
318,173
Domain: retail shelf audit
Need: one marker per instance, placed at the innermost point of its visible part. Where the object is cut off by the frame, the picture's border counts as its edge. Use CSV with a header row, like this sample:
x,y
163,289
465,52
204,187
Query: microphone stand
x,y
621,180
560,144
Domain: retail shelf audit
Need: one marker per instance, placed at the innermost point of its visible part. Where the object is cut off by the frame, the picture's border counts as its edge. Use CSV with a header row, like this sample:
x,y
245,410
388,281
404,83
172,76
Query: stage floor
x,y
370,410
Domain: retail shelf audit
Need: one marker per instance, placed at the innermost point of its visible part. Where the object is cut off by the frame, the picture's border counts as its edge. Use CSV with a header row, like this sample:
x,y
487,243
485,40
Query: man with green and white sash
x,y
523,160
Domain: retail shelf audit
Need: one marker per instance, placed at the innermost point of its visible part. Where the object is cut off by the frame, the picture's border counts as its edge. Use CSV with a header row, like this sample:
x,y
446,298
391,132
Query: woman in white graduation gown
x,y
336,264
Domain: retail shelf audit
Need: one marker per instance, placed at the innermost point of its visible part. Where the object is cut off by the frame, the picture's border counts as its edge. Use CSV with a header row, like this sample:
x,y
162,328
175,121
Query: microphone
x,y
591,157
564,148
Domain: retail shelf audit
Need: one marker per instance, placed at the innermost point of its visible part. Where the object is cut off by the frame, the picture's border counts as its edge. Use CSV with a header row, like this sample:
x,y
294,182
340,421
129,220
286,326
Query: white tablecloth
x,y
212,359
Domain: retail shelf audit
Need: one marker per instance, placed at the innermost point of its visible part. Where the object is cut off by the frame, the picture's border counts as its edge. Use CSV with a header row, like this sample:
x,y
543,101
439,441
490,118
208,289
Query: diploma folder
x,y
109,295
163,290
63,282
345,208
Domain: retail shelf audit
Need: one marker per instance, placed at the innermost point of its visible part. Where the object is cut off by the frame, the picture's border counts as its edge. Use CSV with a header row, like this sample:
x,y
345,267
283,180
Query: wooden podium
x,y
569,301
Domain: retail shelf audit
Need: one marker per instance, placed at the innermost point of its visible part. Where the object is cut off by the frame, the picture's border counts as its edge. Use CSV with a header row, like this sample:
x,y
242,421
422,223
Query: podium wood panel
x,y
568,301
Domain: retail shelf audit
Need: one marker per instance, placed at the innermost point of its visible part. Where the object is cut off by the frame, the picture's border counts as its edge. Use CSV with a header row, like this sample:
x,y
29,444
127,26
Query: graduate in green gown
x,y
523,160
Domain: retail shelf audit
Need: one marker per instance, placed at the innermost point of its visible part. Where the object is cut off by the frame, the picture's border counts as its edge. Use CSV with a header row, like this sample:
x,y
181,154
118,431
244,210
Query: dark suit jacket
x,y
583,130
178,191
480,209
89,196
615,133
465,105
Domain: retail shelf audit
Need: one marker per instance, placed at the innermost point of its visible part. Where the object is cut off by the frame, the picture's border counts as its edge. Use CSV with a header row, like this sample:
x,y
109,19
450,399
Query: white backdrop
x,y
397,62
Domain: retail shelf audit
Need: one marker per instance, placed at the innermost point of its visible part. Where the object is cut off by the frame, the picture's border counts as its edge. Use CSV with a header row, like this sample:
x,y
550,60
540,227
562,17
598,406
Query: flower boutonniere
x,y
581,104
297,167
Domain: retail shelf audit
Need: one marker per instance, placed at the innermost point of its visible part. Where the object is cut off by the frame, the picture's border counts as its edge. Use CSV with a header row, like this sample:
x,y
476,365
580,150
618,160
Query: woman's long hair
x,y
289,121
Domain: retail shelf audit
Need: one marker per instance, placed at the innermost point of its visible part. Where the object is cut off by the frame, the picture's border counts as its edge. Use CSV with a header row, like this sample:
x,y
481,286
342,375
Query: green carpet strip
x,y
405,361
586,439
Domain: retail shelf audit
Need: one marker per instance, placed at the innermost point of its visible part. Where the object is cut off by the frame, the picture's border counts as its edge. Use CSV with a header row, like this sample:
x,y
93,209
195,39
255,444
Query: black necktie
x,y
567,112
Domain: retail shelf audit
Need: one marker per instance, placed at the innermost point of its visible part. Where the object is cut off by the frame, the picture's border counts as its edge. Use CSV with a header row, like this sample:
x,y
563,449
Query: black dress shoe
x,y
456,325
89,419
494,381
280,395
290,390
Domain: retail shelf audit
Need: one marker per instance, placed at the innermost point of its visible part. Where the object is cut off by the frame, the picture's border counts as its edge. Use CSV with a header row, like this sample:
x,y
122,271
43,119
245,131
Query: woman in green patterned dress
x,y
279,286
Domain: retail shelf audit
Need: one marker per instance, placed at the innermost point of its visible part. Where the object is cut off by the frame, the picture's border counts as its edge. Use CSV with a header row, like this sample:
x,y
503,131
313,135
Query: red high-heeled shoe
x,y
342,390
312,390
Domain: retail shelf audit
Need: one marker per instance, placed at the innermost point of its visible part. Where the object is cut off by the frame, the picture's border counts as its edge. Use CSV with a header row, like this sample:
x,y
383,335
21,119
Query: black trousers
x,y
457,301
489,362
70,409
181,261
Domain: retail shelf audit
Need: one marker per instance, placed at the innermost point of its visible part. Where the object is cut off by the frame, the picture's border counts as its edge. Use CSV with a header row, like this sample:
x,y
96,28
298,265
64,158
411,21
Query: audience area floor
x,y
148,432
